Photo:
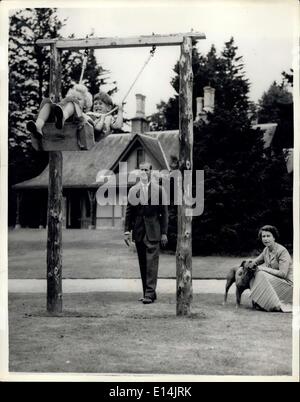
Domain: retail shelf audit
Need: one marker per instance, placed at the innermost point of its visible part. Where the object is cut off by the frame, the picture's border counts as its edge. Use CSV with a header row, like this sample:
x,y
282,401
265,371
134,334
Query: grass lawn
x,y
96,254
113,333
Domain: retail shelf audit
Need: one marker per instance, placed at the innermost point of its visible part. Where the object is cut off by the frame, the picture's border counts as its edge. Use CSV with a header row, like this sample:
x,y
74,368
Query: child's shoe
x,y
34,129
59,117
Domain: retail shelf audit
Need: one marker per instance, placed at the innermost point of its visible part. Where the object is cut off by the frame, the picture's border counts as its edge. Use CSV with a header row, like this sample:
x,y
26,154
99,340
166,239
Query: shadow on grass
x,y
114,333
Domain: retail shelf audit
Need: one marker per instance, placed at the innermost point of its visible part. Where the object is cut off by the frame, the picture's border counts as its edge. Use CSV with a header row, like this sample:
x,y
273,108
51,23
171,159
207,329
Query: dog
x,y
242,276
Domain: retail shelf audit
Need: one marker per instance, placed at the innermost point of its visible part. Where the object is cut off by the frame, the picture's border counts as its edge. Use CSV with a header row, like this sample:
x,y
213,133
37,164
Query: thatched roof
x,y
80,168
151,144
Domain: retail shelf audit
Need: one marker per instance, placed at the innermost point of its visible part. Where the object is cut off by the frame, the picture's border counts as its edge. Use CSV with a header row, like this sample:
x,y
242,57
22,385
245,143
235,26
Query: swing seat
x,y
69,138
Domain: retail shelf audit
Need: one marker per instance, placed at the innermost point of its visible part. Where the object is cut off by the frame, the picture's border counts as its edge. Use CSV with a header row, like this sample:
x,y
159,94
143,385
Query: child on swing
x,y
77,100
103,119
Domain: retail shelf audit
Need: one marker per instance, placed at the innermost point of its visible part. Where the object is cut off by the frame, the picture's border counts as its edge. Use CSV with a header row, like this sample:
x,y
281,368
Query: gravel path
x,y
114,285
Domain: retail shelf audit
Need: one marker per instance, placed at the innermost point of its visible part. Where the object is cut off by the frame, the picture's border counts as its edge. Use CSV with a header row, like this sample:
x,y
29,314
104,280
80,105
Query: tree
x,y
288,78
276,106
158,120
94,75
239,175
224,73
272,102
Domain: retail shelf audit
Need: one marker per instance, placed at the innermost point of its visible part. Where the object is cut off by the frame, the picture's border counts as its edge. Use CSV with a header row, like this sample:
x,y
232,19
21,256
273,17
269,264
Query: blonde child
x,y
77,100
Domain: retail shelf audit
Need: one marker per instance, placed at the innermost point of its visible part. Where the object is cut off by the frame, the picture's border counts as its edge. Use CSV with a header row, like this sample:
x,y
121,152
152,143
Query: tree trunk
x,y
54,243
41,212
184,239
19,200
92,199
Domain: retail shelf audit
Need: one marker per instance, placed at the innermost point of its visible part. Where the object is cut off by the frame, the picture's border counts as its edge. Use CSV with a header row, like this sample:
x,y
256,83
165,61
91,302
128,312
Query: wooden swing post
x,y
184,226
55,215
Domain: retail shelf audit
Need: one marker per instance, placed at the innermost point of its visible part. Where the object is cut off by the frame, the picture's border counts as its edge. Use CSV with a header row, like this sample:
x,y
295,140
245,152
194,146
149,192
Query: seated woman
x,y
272,286
104,121
76,101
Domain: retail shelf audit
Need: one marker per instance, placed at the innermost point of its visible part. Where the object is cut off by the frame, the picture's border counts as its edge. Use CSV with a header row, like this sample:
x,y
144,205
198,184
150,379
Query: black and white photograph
x,y
149,192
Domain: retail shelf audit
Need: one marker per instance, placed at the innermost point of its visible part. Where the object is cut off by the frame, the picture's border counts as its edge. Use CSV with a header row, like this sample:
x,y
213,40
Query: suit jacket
x,y
149,219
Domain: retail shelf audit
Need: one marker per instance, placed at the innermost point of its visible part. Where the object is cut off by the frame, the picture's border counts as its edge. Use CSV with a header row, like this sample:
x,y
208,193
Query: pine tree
x,y
158,119
168,111
225,73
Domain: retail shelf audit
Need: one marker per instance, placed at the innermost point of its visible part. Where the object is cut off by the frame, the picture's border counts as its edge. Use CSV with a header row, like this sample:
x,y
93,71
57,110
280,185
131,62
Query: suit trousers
x,y
148,255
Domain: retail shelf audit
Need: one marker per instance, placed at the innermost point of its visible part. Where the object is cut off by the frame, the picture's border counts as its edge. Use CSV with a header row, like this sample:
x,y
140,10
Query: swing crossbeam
x,y
116,42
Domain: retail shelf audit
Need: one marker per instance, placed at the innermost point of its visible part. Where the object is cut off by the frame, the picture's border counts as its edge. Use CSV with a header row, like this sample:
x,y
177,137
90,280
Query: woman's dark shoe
x,y
257,306
59,117
31,126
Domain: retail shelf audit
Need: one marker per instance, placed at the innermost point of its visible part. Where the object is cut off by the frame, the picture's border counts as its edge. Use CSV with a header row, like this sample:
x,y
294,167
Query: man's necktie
x,y
144,194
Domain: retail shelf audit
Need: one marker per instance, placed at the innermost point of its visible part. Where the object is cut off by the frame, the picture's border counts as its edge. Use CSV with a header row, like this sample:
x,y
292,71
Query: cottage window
x,y
140,157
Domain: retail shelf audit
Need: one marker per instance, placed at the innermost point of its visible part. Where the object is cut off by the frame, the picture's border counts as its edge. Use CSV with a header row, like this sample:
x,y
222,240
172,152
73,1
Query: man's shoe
x,y
141,299
147,300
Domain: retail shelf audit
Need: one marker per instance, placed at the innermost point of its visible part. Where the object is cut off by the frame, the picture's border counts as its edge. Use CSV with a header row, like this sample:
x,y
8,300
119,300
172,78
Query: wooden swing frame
x,y
55,216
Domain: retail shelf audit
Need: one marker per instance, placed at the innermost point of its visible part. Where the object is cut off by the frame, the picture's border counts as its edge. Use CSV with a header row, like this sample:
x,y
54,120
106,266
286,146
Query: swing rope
x,y
84,63
140,72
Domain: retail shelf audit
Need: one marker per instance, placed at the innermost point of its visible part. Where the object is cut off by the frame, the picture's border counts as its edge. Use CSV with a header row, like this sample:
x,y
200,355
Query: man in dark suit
x,y
147,218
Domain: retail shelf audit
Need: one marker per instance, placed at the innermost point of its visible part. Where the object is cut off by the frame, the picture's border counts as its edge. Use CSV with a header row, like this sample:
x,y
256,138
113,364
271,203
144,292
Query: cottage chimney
x,y
140,105
199,109
289,156
209,99
139,124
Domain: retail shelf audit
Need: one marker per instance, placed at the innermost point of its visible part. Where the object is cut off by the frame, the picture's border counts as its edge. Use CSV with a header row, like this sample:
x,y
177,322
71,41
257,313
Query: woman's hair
x,y
269,228
88,99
